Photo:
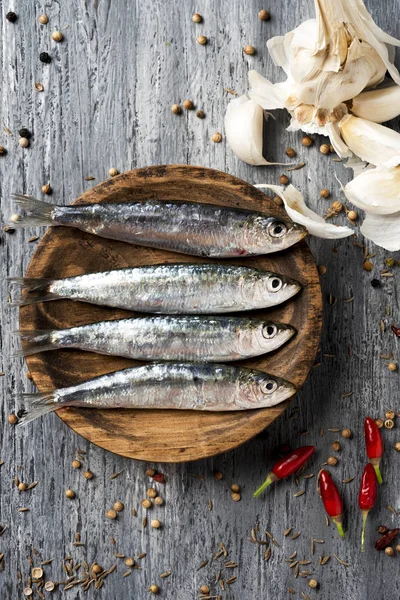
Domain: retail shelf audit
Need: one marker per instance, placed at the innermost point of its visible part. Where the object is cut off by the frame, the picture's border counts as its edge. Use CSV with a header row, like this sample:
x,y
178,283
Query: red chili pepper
x,y
387,539
367,497
332,501
374,445
287,465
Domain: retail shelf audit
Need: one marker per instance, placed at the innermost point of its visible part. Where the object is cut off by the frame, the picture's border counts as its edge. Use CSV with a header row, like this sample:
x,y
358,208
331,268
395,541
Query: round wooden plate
x,y
158,435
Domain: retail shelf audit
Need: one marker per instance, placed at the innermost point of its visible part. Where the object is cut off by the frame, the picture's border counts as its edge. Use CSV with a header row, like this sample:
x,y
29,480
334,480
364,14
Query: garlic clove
x,y
268,95
300,213
376,190
377,105
244,121
383,230
332,129
373,143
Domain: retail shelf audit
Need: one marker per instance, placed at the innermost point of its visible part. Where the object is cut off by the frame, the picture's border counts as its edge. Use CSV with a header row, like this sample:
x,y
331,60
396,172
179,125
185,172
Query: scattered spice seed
x,y
216,137
335,446
12,419
197,18
152,493
249,50
342,562
307,141
389,551
111,514
324,559
89,178
76,464
267,554
34,238
235,487
352,215
300,493
295,535
203,564
70,494
160,501
390,414
324,149
287,531
176,109
43,19
28,591
204,589
389,423
264,15
155,523
39,87
346,433
291,590
150,472
391,509
235,496
144,522
392,366
348,479
118,506
297,167
367,265
283,180
3,151
23,510
57,36
114,475
160,477
200,114
166,574
202,40
141,555
292,556
49,586
88,475
324,193
217,475
113,172
309,476
305,596
44,57
332,461
147,503
397,446
210,504
290,152
188,105
154,589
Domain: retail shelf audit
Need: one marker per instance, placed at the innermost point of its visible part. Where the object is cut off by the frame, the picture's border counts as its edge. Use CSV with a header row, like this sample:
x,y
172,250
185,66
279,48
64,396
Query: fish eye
x,y
274,284
268,386
277,229
269,331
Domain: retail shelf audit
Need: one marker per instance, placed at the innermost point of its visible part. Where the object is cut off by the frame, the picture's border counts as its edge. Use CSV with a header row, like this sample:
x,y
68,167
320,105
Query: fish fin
x,y
34,342
38,405
38,212
38,290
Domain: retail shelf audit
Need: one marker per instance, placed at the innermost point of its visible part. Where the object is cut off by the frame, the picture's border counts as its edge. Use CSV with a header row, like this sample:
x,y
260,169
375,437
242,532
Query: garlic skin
x,y
244,121
383,230
376,191
299,212
371,142
377,105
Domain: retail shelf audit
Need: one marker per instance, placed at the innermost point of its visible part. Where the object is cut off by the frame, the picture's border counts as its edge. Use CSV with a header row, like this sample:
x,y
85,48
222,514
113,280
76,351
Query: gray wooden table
x,y
106,103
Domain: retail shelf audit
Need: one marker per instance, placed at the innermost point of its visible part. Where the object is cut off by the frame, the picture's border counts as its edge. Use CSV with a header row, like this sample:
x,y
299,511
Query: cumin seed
x,y
333,429
144,522
305,596
23,510
291,591
119,555
327,520
293,555
197,476
287,531
210,505
342,562
296,571
165,574
297,494
203,564
231,580
293,564
348,479
141,555
89,178
267,554
114,475
347,394
391,509
295,535
324,559
127,573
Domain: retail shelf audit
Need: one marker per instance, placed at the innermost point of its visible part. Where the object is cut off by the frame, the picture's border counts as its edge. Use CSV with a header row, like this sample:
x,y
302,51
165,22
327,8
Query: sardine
x,y
186,386
208,339
168,289
186,227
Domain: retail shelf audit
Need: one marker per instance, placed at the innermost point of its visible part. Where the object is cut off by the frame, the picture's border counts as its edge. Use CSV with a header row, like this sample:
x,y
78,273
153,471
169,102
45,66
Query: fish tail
x,y
37,211
34,342
37,405
38,290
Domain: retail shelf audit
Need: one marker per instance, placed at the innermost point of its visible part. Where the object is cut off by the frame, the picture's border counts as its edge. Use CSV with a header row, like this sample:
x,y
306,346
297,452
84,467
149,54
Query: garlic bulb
x,y
377,105
373,143
383,230
244,130
299,212
376,191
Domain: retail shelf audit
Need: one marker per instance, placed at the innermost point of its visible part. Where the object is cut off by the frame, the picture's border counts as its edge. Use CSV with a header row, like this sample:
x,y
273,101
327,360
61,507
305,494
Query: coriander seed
x,y
264,15
113,172
118,506
390,414
37,573
28,591
23,142
22,486
283,180
398,548
150,472
154,589
176,109
57,36
97,569
12,419
45,57
379,423
324,193
202,40
111,514
152,493
307,141
324,149
235,487
235,496
392,366
389,424
49,586
217,475
11,16
367,265
352,215
3,151
76,464
197,18
88,475
313,583
70,494
188,105
347,433
200,114
46,189
43,19
250,50
335,446
332,461
397,446
147,503
216,137
390,262
129,562
337,206
204,589
389,551
155,523
290,152
158,500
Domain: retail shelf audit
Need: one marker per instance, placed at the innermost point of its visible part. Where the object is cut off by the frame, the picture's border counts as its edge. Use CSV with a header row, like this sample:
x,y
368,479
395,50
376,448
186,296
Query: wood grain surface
x,y
106,103
161,435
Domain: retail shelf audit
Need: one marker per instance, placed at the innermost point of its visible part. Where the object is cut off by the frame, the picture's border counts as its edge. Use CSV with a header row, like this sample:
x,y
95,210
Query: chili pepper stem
x,y
375,463
364,523
338,522
270,479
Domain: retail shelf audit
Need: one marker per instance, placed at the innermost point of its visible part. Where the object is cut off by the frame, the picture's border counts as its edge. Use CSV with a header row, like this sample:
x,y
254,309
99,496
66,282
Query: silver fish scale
x,y
186,227
179,386
179,288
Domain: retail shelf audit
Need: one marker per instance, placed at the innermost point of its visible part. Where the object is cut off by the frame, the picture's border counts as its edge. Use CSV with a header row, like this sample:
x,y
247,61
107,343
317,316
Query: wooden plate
x,y
157,435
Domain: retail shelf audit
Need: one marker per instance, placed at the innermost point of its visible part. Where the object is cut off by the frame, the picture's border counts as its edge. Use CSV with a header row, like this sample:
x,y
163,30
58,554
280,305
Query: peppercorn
x,y
150,472
118,506
235,496
332,461
46,189
200,114
43,19
158,500
154,589
392,366
11,16
389,424
235,487
23,142
217,475
324,149
379,423
352,215
390,414
57,36
44,57
202,40
390,262
335,446
324,193
389,551
152,493
313,583
176,109
70,494
188,105
306,141
337,206
197,18
76,464
88,475
22,486
112,172
367,265
382,529
290,152
283,180
375,283
97,569
204,590
249,50
278,200
111,514
155,523
147,503
25,133
264,15
129,562
12,419
3,151
346,433
397,446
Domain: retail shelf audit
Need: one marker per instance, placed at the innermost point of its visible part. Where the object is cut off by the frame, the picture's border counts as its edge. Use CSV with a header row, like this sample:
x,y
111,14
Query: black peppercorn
x,y
375,283
45,57
25,133
11,16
